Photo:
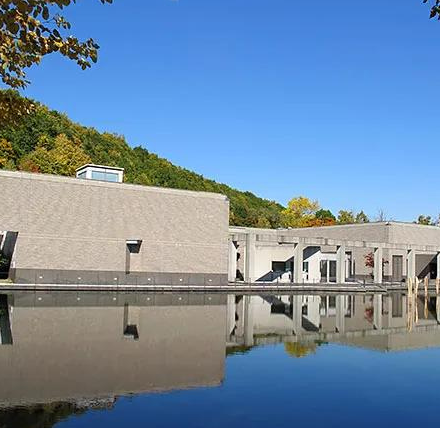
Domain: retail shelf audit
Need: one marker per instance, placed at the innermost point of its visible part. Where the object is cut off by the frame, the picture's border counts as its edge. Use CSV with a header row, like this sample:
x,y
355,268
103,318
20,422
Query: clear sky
x,y
337,101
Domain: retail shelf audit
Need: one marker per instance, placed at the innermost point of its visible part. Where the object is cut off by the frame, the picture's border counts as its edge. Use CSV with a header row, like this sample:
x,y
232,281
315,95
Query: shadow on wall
x,y
7,248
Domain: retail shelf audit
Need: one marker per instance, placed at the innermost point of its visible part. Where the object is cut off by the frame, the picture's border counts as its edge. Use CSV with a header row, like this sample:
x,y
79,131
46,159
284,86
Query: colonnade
x,y
251,241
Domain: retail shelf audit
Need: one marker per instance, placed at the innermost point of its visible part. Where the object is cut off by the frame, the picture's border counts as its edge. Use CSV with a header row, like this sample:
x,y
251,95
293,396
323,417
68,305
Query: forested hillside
x,y
49,142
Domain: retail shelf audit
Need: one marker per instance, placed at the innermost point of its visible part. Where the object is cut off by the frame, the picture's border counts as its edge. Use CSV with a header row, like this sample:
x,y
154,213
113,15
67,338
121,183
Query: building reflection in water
x,y
378,322
81,346
61,353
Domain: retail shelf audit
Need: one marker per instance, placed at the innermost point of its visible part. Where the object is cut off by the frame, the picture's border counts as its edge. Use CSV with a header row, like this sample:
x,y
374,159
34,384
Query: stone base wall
x,y
69,277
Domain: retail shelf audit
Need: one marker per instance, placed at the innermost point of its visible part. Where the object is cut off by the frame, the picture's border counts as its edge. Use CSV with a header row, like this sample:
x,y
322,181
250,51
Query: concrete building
x,y
95,229
335,253
87,231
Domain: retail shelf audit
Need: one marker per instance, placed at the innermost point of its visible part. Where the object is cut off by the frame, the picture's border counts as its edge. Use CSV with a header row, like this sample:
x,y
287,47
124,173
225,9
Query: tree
x,y
435,9
31,29
262,223
63,158
369,261
299,350
13,107
425,220
346,217
382,215
324,218
361,217
7,154
300,212
325,215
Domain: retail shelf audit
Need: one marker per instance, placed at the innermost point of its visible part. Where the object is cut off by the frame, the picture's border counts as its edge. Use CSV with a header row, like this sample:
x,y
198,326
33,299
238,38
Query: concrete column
x,y
377,307
230,316
297,314
438,265
298,258
340,313
340,264
232,261
378,265
248,321
239,322
437,308
249,270
411,264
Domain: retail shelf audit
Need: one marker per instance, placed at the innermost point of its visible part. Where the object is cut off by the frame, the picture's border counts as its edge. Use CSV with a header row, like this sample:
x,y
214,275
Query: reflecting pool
x,y
215,360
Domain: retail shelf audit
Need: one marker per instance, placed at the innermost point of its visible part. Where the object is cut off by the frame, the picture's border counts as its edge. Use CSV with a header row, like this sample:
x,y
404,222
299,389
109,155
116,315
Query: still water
x,y
70,360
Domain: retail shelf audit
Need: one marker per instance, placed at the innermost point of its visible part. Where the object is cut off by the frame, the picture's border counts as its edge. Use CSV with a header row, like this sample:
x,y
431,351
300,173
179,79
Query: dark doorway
x,y
5,322
397,273
7,248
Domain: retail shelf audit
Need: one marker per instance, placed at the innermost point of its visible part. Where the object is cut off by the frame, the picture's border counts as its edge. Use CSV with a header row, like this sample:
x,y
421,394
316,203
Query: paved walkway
x,y
235,288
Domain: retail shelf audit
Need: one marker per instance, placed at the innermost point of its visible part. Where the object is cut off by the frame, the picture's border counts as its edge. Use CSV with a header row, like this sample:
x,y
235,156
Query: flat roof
x,y
92,165
96,183
342,226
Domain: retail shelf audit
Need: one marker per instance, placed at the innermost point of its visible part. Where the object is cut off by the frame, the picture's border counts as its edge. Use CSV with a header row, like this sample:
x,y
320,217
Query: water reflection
x,y
383,322
64,353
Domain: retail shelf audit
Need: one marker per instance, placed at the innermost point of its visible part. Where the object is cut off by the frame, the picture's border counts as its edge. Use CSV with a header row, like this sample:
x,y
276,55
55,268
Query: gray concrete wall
x,y
70,229
389,232
407,233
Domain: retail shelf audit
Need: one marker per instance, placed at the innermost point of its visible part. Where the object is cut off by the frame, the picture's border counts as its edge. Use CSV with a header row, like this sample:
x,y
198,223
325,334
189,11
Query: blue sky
x,y
335,101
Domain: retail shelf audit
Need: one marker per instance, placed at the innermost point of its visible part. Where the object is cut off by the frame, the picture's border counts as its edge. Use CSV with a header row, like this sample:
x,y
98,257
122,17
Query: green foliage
x,y
31,29
349,217
346,217
7,154
13,107
361,217
62,156
47,141
325,215
435,8
427,220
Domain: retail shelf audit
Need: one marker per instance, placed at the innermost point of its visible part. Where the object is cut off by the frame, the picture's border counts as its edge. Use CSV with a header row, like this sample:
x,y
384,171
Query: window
x,y
396,305
278,266
105,176
332,271
133,247
306,267
323,269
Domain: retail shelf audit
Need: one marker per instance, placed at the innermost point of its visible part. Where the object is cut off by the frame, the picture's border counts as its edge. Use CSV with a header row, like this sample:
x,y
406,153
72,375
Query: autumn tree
x,y
31,29
13,107
299,350
300,212
61,157
435,8
346,217
324,218
369,261
7,153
